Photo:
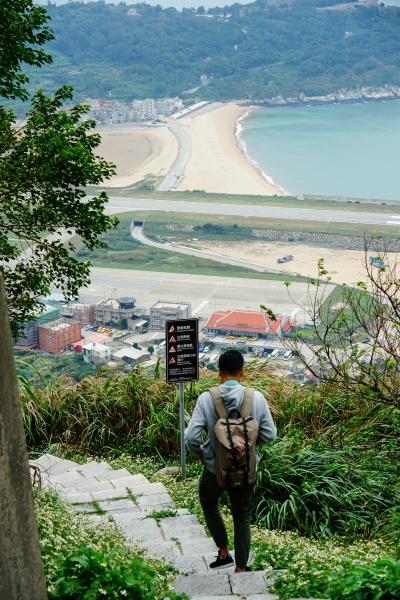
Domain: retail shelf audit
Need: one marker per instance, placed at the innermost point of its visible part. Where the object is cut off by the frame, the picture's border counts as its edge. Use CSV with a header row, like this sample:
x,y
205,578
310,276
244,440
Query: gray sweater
x,y
205,417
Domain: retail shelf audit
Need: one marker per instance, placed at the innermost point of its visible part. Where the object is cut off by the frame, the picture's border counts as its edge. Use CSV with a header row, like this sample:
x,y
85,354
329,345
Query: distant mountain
x,y
256,51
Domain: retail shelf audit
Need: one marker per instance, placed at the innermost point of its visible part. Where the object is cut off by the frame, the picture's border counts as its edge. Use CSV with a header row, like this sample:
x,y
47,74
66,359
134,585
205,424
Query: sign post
x,y
182,365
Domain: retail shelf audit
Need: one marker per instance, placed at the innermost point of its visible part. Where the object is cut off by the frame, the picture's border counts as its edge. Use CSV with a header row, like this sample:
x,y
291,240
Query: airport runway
x,y
206,293
118,205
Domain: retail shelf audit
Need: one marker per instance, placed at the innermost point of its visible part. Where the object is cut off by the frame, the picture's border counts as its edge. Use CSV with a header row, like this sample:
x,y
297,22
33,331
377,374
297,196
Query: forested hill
x,y
257,50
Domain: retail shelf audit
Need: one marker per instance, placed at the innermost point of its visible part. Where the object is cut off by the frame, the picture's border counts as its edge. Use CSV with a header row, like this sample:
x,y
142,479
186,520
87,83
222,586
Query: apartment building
x,y
28,338
166,106
165,310
145,108
83,313
57,336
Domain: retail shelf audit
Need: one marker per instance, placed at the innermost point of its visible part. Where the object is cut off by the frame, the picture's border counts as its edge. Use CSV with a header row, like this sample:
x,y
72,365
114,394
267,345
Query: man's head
x,y
230,365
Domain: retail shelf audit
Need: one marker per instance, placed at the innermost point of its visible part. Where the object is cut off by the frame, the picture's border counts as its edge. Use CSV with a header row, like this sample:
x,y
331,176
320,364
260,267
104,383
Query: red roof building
x,y
243,323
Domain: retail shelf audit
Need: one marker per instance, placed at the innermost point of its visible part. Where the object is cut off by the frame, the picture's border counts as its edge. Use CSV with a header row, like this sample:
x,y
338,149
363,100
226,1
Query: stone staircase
x,y
102,492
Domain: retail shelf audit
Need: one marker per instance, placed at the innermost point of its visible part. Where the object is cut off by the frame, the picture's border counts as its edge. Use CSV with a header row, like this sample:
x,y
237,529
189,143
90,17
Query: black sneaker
x,y
222,563
247,569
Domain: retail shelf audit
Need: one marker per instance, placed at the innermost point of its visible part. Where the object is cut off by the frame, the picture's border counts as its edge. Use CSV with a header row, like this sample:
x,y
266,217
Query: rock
x,y
167,471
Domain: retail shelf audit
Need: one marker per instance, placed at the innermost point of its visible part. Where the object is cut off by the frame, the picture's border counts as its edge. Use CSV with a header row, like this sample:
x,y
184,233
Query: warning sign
x,y
183,365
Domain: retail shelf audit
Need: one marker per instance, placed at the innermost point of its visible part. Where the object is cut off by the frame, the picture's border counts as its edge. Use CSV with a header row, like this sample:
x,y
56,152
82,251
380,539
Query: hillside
x,y
253,51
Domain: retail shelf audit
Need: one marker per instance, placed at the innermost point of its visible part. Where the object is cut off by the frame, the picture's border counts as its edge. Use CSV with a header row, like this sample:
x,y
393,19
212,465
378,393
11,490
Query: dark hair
x,y
231,362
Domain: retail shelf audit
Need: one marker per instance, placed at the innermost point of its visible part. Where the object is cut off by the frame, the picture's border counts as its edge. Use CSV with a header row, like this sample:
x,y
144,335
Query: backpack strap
x,y
218,402
247,402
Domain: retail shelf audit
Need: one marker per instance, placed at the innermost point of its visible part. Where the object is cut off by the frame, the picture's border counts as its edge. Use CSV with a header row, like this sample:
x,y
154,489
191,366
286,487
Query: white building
x,y
165,310
132,356
96,354
143,108
166,106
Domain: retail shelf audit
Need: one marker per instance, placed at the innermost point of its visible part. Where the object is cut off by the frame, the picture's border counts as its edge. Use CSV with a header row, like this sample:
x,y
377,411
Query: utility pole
x,y
21,567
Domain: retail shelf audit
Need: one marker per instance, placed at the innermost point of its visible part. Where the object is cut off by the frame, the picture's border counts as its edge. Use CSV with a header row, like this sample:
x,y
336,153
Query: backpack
x,y
236,432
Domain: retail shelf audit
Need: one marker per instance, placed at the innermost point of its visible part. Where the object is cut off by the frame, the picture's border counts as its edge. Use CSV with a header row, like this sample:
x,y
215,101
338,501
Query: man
x,y
205,418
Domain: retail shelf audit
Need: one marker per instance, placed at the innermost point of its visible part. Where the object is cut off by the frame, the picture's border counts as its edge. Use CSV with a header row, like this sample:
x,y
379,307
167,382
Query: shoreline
x,y
218,162
243,148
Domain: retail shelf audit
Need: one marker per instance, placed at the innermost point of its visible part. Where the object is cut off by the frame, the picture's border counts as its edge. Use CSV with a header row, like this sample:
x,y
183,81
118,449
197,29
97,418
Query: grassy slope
x,y
126,253
352,229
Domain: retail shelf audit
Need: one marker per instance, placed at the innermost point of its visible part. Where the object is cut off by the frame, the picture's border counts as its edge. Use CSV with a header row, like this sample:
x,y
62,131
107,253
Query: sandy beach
x,y
217,164
137,152
343,266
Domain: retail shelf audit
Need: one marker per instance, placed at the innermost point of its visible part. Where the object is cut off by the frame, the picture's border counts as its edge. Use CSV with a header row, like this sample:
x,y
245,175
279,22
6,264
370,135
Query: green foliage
x,y
45,163
88,575
362,582
304,566
62,531
280,49
319,491
22,28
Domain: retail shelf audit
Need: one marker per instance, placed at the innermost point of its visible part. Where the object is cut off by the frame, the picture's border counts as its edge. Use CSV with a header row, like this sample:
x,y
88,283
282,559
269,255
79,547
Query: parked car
x,y
201,349
287,355
207,348
275,353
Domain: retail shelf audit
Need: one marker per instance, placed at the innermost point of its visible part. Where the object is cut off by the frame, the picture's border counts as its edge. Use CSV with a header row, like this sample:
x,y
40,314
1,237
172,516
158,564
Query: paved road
x,y
177,168
137,233
118,205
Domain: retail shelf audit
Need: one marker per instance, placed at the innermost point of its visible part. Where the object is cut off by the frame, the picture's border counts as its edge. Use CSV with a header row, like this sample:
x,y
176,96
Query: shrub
x,y
362,582
88,575
320,491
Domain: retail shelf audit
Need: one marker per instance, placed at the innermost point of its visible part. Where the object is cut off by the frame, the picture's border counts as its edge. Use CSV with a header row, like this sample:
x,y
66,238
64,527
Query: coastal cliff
x,y
344,95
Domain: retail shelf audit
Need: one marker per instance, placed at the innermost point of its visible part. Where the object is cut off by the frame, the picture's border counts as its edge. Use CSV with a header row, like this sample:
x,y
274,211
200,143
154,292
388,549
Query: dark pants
x,y
241,503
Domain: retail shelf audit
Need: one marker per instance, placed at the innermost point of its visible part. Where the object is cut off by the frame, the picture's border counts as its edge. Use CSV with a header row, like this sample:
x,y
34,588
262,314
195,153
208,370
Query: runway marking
x,y
200,306
393,222
294,313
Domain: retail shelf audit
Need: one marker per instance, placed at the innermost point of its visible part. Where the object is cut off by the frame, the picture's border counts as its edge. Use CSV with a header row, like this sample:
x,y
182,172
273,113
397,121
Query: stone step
x,y
202,546
144,530
203,584
49,464
92,468
168,550
194,532
179,521
266,596
224,584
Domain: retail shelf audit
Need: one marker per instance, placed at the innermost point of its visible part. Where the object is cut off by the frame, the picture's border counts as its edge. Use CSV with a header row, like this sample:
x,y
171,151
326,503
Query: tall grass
x,y
334,468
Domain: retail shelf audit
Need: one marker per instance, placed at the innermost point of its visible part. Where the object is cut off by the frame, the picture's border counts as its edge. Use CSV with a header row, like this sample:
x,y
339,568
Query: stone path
x,y
100,491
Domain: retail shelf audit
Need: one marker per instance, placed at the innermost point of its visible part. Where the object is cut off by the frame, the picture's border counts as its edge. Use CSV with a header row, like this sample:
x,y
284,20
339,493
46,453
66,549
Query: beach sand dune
x,y
137,153
216,163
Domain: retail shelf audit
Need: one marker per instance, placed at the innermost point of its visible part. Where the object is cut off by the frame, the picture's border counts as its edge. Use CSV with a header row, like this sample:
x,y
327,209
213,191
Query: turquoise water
x,y
341,150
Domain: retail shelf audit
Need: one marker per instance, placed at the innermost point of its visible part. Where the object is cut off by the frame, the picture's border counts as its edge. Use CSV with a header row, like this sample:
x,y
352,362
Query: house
x,y
131,355
96,354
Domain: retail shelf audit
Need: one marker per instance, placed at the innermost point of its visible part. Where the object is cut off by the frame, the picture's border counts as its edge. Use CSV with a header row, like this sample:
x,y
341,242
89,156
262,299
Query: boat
x,y
286,258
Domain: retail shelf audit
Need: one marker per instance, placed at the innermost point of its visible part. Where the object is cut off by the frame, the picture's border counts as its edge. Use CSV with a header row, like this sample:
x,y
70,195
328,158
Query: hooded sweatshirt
x,y
205,418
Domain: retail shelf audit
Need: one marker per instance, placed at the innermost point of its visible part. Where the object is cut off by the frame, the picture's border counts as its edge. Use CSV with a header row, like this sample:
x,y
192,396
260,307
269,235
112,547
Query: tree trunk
x,y
21,567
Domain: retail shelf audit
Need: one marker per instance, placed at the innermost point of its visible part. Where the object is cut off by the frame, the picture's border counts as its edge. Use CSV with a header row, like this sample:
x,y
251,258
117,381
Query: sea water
x,y
342,149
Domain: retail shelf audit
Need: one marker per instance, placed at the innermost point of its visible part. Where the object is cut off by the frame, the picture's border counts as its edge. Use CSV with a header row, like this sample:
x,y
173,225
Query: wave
x,y
242,144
